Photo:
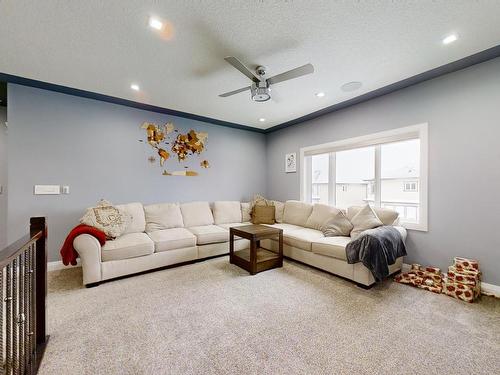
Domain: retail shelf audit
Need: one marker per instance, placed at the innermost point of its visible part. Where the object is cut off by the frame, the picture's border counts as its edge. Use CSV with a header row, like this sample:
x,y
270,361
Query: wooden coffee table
x,y
256,259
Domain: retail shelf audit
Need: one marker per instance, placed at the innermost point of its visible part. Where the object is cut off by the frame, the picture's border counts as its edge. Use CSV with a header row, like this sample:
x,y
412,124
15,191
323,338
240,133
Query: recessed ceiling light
x,y
320,94
351,86
155,23
262,119
450,39
134,87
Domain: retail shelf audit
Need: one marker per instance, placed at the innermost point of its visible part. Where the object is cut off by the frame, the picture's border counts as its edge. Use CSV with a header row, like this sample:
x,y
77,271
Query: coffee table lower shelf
x,y
266,260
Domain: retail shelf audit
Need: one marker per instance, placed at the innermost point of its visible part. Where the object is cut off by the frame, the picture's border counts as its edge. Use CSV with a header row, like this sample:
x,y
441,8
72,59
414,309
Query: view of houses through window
x,y
354,176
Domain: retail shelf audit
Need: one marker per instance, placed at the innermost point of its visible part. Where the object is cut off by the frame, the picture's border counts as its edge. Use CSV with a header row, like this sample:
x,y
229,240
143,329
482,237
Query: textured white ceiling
x,y
104,46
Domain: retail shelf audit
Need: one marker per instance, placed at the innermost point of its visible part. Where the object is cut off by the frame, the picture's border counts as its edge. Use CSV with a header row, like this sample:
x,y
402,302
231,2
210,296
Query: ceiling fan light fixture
x,y
260,92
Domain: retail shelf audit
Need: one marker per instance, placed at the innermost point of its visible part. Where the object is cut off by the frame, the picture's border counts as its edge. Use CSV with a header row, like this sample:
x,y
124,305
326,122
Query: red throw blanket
x,y
68,252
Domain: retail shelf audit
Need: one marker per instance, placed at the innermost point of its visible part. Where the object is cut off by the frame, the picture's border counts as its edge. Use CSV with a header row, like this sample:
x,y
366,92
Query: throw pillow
x,y
365,219
339,225
263,214
280,208
246,211
320,215
107,218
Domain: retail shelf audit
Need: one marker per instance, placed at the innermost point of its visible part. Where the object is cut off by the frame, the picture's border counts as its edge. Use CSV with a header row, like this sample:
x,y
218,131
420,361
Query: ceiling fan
x,y
260,88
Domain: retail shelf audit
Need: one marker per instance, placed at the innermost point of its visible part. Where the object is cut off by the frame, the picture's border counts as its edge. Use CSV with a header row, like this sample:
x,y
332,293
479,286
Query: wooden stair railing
x,y
23,292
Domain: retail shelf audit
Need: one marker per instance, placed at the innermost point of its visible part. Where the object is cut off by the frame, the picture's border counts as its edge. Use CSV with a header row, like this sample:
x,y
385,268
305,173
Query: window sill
x,y
414,226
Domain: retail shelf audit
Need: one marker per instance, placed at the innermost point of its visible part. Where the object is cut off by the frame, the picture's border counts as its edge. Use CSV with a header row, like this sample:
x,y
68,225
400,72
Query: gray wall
x,y
3,177
463,112
93,147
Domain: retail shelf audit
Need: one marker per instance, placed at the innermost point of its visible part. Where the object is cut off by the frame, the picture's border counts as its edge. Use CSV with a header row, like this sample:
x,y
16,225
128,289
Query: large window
x,y
387,169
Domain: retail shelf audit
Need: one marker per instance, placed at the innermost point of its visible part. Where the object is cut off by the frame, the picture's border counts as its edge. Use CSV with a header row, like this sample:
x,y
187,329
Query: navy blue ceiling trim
x,y
477,58
111,99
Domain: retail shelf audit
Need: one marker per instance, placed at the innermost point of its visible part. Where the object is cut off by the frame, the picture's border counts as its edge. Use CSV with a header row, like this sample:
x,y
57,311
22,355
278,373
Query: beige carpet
x,y
213,318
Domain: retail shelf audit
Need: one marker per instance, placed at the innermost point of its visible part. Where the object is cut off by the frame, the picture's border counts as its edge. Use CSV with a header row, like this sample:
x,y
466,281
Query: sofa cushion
x,y
333,247
279,210
163,216
286,227
196,214
227,212
302,238
130,245
229,225
246,211
206,234
297,212
338,225
386,215
321,213
365,219
171,239
136,211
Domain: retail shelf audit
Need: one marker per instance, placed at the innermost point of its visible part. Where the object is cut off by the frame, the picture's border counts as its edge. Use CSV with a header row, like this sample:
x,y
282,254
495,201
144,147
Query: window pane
x,y
400,178
355,176
319,178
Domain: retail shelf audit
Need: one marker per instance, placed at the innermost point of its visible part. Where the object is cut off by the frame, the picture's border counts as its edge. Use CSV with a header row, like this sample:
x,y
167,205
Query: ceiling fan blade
x,y
234,92
242,68
291,74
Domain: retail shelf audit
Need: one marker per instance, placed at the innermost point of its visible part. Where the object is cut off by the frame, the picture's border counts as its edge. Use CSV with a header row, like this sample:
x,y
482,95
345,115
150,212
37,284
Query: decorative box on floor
x,y
428,278
463,280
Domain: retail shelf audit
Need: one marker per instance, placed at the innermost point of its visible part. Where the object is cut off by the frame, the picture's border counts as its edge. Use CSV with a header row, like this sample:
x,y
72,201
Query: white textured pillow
x,y
365,219
226,212
386,215
279,210
246,212
196,213
297,212
163,216
321,213
338,225
107,218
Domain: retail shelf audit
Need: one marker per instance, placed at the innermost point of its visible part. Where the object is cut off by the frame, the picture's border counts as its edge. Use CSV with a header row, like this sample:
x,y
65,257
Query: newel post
x,y
38,224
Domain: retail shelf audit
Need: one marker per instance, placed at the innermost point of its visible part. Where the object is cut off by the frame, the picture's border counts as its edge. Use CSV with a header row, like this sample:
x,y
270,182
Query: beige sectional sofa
x,y
167,234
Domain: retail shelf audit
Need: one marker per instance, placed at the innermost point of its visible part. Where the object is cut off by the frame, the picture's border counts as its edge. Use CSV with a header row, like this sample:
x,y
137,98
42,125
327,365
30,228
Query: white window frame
x,y
420,131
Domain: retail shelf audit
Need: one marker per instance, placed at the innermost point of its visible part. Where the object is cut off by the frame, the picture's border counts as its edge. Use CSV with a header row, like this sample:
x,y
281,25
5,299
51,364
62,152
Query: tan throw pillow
x,y
263,214
246,211
365,219
259,200
339,225
107,218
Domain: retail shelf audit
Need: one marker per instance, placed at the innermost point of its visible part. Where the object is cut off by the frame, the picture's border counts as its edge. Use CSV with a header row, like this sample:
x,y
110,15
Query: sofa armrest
x,y
89,250
403,232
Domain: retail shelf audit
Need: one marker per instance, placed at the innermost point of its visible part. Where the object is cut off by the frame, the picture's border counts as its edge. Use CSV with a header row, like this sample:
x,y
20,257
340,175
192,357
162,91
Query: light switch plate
x,y
47,190
65,189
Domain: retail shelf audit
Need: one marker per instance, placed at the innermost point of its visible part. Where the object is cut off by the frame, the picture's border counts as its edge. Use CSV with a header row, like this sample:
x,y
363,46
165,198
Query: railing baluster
x,y
15,309
32,308
21,318
8,303
2,343
26,308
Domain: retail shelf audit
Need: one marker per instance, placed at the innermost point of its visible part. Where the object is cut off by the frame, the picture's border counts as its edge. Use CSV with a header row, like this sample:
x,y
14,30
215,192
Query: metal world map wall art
x,y
166,140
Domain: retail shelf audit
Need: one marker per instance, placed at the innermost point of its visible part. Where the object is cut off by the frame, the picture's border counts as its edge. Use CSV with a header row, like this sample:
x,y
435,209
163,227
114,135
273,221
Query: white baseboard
x,y
490,290
487,289
58,265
